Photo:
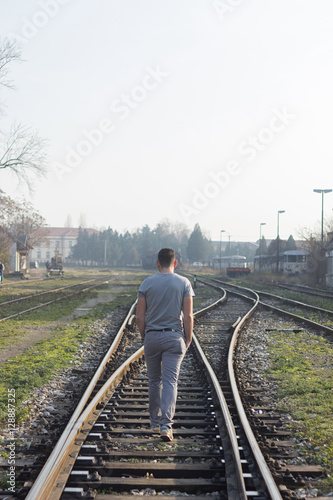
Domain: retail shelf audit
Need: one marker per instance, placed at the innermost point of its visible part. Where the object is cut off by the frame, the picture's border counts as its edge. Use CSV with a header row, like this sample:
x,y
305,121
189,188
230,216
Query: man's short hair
x,y
166,257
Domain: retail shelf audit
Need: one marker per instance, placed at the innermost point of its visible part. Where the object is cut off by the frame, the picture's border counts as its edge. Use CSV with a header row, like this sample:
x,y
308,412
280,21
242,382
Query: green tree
x,y
196,246
262,248
272,248
291,245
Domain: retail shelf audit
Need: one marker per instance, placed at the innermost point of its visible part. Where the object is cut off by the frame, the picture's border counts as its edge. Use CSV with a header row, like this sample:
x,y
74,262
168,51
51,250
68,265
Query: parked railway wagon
x,y
295,261
237,266
233,265
291,262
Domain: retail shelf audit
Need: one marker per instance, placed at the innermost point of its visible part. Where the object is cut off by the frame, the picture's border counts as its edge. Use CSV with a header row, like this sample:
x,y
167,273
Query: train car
x,y
237,266
295,262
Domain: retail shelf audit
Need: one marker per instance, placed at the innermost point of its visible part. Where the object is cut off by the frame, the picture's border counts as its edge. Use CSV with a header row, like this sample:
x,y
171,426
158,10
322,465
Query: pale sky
x,y
210,111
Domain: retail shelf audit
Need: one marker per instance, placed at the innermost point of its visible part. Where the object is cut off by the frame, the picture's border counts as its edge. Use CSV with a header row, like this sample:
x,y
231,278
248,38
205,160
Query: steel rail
x,y
294,302
283,312
241,488
38,294
48,476
296,317
18,285
50,472
49,302
327,294
260,460
231,432
37,491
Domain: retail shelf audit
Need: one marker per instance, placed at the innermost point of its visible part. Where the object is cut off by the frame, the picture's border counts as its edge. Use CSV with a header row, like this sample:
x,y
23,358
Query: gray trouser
x,y
164,352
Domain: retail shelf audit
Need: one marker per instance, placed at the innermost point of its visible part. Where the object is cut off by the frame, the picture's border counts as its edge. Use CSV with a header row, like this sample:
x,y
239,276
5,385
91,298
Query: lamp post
x,y
261,224
278,239
222,231
322,191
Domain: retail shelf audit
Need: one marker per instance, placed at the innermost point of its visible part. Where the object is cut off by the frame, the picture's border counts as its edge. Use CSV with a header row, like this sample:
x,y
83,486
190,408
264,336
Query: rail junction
x,y
220,448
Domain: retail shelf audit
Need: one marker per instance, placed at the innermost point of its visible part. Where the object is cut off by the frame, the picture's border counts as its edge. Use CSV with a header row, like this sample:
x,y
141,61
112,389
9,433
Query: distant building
x,y
62,239
19,254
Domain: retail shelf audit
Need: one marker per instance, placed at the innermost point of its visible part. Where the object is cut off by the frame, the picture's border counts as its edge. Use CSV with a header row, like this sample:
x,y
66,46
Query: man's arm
x,y
188,319
140,315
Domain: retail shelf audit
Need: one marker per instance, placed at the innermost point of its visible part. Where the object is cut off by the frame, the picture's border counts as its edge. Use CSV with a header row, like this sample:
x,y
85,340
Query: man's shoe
x,y
166,434
155,429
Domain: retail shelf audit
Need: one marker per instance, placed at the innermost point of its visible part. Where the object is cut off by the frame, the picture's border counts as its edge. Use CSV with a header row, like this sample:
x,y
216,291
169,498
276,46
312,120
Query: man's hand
x,y
188,343
140,315
188,320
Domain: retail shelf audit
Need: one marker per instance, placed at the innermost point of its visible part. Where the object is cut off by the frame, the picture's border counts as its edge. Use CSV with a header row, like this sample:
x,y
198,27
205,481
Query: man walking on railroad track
x,y
164,317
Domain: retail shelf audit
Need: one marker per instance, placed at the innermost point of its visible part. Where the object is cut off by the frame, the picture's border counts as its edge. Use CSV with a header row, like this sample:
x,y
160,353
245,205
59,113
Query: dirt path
x,y
35,334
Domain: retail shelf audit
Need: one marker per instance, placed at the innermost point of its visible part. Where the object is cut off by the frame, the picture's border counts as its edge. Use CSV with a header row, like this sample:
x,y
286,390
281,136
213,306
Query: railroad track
x,y
305,290
108,445
108,449
270,426
289,308
8,285
15,307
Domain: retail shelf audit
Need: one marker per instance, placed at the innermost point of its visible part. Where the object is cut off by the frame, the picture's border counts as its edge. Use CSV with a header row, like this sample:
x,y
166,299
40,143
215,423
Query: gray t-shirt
x,y
164,294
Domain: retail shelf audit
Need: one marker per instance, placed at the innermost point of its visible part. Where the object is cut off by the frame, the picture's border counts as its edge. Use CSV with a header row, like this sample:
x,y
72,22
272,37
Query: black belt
x,y
163,330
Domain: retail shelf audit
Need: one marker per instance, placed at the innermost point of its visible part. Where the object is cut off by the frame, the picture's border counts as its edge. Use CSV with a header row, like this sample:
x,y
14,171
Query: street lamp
x,y
322,191
222,231
278,239
261,224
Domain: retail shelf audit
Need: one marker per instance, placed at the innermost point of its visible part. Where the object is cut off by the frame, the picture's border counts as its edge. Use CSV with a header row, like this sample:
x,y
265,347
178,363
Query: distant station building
x,y
62,239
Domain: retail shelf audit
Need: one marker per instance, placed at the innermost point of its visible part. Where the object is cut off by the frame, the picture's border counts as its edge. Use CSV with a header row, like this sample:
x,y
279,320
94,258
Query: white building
x,y
62,239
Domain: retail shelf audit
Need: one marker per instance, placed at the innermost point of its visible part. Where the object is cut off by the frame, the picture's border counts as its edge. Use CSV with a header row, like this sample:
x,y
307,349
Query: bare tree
x,y
316,258
68,221
19,218
9,52
82,220
22,151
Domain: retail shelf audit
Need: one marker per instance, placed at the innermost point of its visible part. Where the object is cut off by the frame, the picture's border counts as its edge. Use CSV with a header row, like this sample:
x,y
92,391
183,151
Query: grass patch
x,y
37,365
302,367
